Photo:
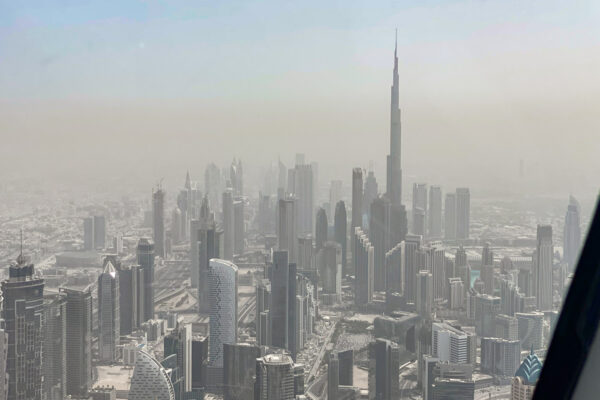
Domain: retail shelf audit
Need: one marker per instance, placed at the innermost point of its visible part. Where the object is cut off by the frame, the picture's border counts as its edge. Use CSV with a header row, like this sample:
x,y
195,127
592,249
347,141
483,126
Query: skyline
x,y
473,87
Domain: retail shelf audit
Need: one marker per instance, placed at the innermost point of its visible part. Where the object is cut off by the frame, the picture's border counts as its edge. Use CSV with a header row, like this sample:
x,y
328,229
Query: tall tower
x,y
23,312
79,341
543,268
158,212
108,313
341,231
572,233
287,228
394,168
145,259
223,284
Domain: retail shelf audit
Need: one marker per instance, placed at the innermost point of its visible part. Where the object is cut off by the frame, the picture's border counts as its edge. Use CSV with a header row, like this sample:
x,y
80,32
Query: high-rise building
x,y
487,277
209,247
394,269
179,343
436,264
99,232
346,361
3,360
449,343
55,347
158,221
435,212
412,244
486,308
213,185
333,376
79,341
542,270
228,225
303,190
199,361
450,216
384,370
394,159
287,231
108,313
371,191
321,229
278,309
507,327
463,213
424,293
239,226
263,302
292,303
340,230
526,377
329,261
23,313
145,259
572,233
274,378
131,281
357,198
500,356
88,233
419,208
223,286
363,267
456,296
531,330
150,380
379,234
239,370
236,177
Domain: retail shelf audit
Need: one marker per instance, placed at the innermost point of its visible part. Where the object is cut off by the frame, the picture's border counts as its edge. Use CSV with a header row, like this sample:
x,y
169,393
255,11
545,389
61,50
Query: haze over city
x,y
299,201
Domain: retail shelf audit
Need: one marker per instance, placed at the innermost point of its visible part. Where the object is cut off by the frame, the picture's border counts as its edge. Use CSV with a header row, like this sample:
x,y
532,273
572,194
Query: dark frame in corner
x,y
577,324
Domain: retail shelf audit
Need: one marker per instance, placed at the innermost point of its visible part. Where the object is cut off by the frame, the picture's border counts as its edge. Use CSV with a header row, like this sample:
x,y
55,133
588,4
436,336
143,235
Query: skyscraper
x,y
329,262
99,232
23,312
158,221
145,259
412,244
543,268
179,343
333,376
274,378
449,344
357,199
463,213
371,192
340,229
79,341
239,226
379,234
424,294
394,165
131,281
321,229
223,286
572,233
363,268
287,231
384,370
304,192
419,208
450,216
150,380
435,212
228,225
436,264
239,370
3,358
346,360
88,233
108,313
212,185
279,309
236,177
55,347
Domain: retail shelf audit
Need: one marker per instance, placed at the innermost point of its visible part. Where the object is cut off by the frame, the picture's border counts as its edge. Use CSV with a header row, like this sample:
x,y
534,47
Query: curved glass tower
x,y
150,380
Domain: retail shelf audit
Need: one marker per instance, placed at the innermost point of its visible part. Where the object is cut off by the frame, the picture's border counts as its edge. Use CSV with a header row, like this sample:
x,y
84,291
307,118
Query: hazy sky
x,y
149,89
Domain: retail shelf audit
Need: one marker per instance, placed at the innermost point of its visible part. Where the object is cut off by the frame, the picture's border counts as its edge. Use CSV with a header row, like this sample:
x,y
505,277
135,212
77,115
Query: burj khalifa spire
x,y
394,168
398,222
